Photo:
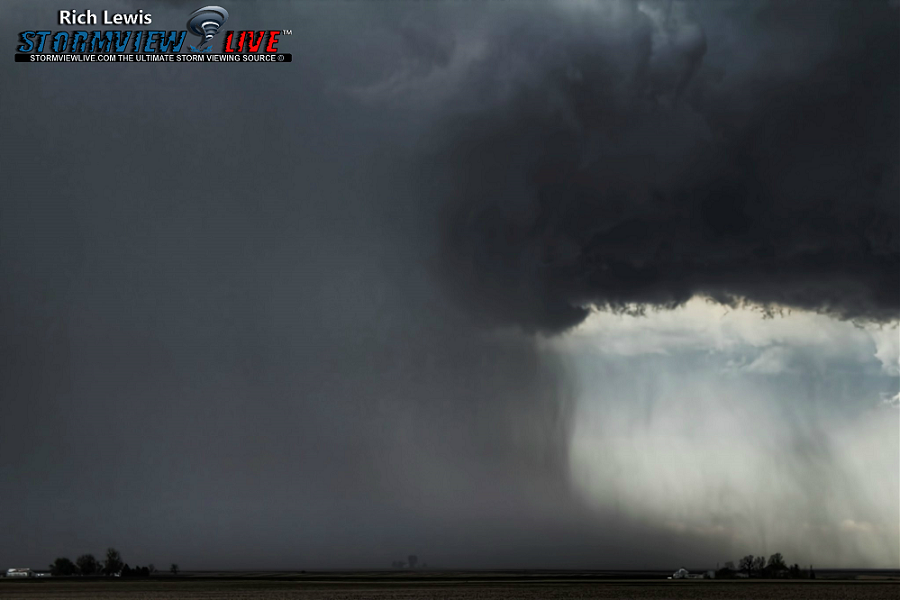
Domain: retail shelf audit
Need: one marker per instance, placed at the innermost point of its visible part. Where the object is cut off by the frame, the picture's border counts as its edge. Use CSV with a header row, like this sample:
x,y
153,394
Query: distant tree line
x,y
88,566
758,566
412,561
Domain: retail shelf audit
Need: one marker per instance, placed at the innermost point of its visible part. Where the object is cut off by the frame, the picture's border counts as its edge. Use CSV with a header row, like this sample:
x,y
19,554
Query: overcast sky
x,y
587,284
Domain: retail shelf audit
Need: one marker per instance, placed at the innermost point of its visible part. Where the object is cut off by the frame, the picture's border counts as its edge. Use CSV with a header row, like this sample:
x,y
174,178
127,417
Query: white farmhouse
x,y
683,573
21,572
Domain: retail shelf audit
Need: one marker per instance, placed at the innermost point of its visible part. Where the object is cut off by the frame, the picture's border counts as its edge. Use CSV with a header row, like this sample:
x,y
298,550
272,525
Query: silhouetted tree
x,y
413,560
756,566
62,567
812,574
136,571
87,564
113,563
727,571
776,565
759,565
174,569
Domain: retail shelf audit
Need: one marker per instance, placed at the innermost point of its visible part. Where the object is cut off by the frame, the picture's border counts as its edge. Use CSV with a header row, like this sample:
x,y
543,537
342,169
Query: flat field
x,y
247,589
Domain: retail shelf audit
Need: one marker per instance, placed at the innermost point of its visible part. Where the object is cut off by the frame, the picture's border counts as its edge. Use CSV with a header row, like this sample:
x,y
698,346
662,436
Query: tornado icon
x,y
206,22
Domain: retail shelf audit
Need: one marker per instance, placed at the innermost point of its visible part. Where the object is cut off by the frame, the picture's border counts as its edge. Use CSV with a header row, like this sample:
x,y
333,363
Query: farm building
x,y
683,573
21,572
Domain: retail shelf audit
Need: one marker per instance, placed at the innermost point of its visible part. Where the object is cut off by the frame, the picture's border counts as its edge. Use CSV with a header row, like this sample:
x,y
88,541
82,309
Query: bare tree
x,y
174,569
746,564
113,563
87,564
776,564
759,565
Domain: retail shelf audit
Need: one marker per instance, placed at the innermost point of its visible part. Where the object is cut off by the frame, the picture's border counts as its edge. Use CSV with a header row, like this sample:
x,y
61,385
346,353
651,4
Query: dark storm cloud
x,y
743,152
219,345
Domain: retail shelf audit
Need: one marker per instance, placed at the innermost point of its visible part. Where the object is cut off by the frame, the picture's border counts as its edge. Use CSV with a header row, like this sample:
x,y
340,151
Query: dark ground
x,y
873,585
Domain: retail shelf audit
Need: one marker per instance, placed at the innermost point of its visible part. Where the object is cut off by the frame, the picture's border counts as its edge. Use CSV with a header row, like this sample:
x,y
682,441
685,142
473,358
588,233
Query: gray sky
x,y
509,284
